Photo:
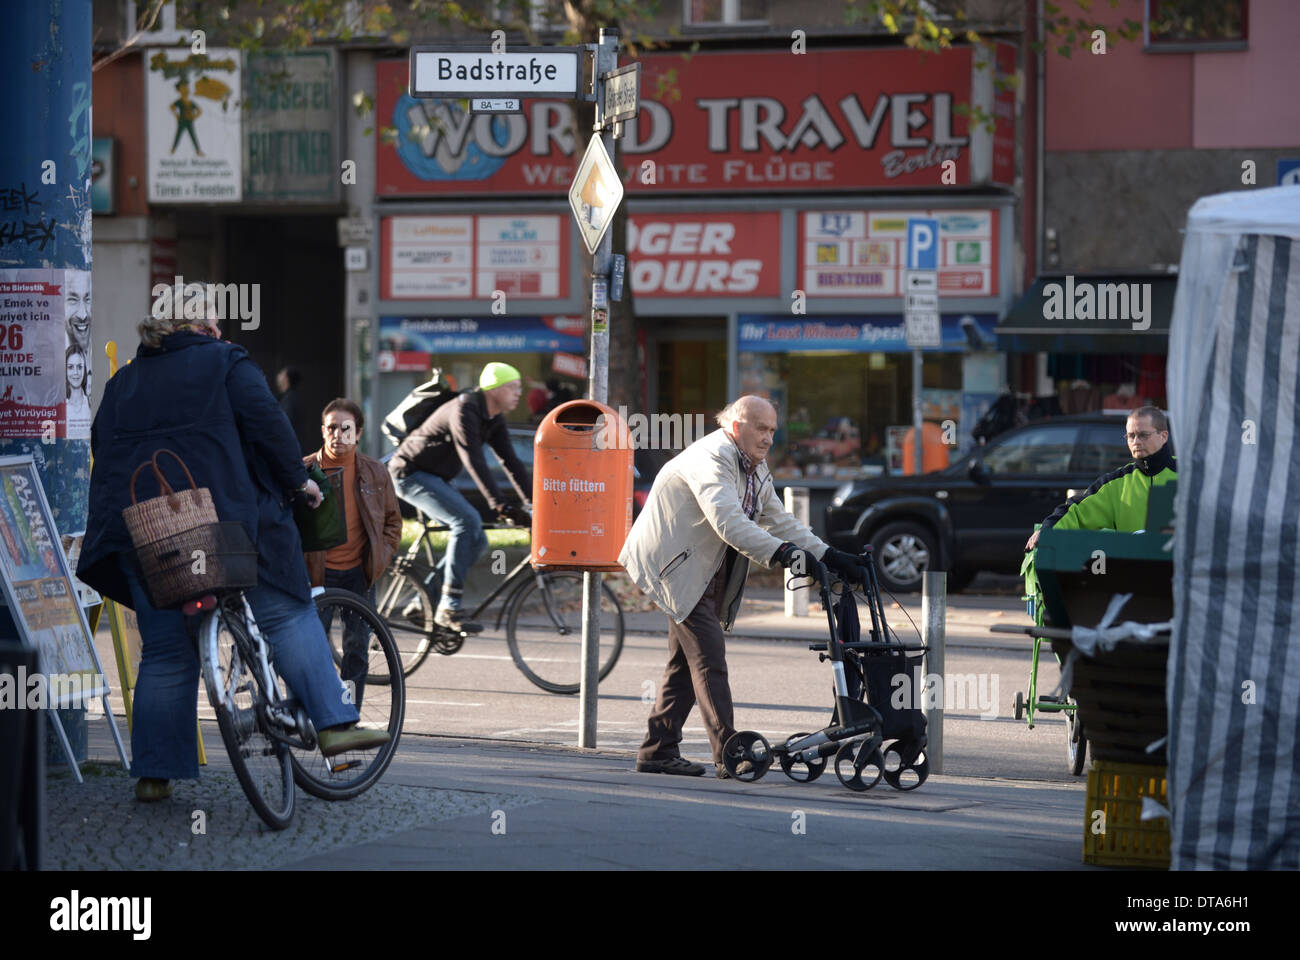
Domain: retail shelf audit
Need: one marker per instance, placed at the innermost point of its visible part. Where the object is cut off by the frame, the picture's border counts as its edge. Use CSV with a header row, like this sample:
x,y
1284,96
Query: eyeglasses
x,y
1140,436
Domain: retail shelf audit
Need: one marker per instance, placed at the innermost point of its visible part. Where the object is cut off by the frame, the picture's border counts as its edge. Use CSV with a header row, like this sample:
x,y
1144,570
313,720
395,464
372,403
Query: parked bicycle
x,y
271,743
542,613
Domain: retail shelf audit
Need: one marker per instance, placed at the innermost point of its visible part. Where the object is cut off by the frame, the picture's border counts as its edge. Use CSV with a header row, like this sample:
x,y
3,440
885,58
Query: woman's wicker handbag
x,y
182,550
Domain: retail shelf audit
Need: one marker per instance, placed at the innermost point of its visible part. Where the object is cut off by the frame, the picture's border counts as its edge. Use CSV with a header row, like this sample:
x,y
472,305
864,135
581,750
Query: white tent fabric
x,y
1234,661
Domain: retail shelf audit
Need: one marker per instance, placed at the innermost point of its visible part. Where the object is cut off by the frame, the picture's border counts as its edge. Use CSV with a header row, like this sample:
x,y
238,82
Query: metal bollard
x,y
796,601
934,615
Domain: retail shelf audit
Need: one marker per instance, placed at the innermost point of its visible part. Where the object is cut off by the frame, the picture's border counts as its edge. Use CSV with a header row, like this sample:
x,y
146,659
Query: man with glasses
x,y
1118,500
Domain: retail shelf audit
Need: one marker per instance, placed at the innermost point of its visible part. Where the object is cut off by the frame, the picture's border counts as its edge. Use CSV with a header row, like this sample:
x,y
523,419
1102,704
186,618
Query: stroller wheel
x,y
801,771
747,756
859,764
902,776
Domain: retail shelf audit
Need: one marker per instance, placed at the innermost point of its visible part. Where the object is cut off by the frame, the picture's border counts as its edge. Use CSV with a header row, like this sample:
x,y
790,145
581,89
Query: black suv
x,y
977,513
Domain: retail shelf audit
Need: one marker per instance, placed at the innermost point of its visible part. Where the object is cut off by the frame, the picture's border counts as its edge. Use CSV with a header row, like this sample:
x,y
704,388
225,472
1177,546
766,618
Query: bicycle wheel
x,y
262,763
406,603
544,631
353,626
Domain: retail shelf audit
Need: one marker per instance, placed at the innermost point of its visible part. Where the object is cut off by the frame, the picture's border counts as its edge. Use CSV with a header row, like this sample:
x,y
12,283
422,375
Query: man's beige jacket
x,y
693,513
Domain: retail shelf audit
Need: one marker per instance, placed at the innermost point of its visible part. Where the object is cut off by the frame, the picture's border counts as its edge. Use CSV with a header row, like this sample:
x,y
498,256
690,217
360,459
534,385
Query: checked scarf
x,y
750,503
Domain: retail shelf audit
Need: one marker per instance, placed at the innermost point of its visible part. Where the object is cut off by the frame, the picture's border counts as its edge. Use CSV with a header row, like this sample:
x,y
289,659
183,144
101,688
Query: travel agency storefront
x,y
768,211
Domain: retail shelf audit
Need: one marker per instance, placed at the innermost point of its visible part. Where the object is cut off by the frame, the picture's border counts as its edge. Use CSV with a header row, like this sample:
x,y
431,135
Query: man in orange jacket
x,y
373,520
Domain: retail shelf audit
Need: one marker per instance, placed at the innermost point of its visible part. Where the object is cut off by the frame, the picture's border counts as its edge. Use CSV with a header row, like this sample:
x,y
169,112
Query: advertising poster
x,y
407,343
45,353
39,586
862,253
194,121
449,258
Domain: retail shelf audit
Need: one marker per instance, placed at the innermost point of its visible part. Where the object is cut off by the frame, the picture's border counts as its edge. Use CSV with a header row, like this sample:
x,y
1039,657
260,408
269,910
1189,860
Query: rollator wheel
x,y
902,776
859,764
801,771
747,747
1020,705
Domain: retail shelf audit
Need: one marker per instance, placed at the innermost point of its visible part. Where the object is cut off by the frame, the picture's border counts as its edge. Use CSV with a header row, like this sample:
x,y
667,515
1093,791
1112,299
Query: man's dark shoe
x,y
720,769
676,765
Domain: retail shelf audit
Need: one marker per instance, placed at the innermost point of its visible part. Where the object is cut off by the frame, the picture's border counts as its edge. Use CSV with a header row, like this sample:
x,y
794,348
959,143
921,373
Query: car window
x,y
1039,450
1102,450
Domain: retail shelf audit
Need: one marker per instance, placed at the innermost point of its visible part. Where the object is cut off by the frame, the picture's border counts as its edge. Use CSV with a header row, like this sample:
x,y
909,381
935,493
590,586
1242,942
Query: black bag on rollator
x,y
889,679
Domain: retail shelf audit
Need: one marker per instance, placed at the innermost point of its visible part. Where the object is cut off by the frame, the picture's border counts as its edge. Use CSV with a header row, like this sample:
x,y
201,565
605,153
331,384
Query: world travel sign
x,y
742,123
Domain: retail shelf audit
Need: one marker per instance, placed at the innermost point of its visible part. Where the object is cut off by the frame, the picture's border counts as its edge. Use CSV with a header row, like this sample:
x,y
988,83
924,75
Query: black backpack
x,y
418,406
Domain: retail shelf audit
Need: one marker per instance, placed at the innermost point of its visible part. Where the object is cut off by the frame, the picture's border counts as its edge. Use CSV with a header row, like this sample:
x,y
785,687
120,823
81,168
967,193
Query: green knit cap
x,y
497,374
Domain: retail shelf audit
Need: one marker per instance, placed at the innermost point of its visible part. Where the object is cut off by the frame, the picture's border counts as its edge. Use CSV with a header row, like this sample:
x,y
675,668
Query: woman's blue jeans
x,y
164,742
466,540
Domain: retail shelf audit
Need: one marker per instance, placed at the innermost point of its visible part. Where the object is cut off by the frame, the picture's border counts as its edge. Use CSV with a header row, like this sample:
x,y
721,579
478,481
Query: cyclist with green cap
x,y
433,454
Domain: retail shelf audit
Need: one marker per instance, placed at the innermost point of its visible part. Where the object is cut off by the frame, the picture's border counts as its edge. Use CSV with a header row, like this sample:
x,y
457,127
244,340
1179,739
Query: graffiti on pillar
x,y
23,220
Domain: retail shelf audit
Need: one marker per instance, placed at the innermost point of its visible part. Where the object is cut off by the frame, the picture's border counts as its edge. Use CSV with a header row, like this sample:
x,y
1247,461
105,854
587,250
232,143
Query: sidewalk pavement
x,y
477,804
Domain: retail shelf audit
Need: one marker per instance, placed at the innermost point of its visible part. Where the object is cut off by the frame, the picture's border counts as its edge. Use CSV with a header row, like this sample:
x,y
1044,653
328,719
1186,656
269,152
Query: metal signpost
x,y
496,81
921,312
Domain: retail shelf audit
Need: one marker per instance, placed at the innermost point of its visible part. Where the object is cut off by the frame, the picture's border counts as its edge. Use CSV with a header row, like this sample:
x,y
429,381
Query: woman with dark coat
x,y
205,399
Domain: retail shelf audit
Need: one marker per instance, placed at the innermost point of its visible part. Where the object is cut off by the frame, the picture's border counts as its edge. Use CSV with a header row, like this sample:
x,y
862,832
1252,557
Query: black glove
x,y
847,566
794,558
514,515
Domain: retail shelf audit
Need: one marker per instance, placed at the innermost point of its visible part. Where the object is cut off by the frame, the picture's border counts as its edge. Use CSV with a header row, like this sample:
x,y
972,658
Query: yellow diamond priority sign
x,y
595,194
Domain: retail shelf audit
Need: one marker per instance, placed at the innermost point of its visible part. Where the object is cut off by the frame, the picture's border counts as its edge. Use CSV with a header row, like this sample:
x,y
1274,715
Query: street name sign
x,y
438,73
595,194
622,94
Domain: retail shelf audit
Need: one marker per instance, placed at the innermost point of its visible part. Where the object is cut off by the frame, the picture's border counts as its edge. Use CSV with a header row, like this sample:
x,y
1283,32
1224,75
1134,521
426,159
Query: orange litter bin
x,y
582,487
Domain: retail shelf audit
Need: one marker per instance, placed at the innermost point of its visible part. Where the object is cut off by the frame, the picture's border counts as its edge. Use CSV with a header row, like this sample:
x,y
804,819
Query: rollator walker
x,y
868,736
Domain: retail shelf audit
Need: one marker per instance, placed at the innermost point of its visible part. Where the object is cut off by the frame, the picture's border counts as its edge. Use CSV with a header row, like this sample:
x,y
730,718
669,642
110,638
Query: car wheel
x,y
903,552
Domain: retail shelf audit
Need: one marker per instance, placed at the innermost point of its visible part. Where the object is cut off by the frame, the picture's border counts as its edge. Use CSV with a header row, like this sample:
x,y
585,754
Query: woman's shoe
x,y
151,789
340,739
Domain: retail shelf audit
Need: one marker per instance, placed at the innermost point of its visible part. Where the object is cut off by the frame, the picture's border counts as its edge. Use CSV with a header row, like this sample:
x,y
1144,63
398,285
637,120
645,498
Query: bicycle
x,y
270,740
542,613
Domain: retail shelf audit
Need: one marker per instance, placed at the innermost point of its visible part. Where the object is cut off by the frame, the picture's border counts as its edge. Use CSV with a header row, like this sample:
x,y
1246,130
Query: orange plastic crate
x,y
1117,789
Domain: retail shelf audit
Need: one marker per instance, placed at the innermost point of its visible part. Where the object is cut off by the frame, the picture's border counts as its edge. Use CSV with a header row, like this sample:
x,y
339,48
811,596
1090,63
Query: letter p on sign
x,y
922,244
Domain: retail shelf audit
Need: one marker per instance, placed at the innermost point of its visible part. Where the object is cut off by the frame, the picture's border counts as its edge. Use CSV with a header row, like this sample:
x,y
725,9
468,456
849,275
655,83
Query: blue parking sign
x,y
922,244
1288,173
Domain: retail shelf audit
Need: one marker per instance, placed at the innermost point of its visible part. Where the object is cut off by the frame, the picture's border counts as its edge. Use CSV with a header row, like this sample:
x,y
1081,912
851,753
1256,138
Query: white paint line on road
x,y
444,703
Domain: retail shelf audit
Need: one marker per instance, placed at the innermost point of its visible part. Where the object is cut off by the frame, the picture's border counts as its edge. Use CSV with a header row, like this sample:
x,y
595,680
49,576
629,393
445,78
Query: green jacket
x,y
1118,500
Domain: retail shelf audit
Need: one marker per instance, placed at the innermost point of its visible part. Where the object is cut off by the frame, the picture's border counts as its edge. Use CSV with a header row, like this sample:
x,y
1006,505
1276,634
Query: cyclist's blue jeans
x,y
356,632
164,743
466,540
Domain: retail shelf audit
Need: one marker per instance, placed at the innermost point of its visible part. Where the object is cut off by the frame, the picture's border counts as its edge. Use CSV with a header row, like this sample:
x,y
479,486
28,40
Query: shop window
x,y
715,13
1195,25
1046,450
